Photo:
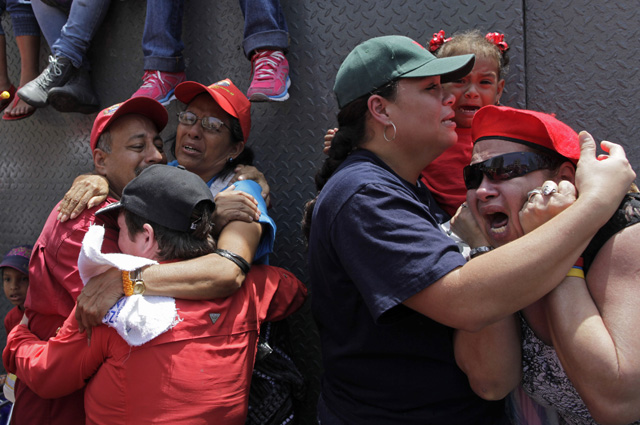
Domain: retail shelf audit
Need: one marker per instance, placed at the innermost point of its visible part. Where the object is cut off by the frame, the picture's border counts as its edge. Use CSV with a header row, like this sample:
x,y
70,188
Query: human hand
x,y
87,191
465,226
249,172
327,140
546,202
603,180
96,298
234,205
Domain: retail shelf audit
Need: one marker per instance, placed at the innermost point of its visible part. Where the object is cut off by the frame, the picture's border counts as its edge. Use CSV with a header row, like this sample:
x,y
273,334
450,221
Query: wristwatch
x,y
473,254
136,280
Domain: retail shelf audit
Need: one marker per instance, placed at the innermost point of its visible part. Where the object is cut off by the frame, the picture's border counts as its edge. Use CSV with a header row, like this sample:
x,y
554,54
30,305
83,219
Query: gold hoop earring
x,y
384,134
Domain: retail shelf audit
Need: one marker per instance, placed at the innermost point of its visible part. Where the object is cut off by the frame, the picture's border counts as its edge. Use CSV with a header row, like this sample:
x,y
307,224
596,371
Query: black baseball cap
x,y
165,195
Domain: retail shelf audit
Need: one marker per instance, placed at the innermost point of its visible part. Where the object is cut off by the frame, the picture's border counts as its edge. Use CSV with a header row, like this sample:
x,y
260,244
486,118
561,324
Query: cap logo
x,y
224,83
112,109
20,251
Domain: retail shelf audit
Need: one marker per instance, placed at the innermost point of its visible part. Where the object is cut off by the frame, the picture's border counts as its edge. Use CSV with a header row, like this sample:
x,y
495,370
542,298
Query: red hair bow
x,y
498,39
437,41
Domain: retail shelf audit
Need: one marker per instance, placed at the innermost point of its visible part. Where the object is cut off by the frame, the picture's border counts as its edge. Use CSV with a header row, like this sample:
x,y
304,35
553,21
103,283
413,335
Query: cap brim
x,y
109,208
185,92
144,106
450,68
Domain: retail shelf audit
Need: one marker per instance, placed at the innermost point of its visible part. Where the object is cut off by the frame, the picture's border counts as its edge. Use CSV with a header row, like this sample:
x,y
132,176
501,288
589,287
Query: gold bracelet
x,y
576,272
127,285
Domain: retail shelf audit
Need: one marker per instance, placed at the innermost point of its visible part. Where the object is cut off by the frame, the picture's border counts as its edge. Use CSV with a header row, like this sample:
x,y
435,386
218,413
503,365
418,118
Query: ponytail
x,y
352,131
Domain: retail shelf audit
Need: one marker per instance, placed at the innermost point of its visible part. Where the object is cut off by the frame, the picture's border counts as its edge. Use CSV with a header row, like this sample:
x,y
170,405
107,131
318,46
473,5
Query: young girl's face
x,y
15,286
479,88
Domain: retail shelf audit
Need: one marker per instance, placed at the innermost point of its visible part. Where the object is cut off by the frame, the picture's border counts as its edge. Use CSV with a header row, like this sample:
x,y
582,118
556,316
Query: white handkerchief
x,y
138,318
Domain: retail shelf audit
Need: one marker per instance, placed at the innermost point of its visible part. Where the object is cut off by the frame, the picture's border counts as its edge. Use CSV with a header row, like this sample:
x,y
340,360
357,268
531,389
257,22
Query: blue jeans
x,y
264,26
22,18
162,37
71,36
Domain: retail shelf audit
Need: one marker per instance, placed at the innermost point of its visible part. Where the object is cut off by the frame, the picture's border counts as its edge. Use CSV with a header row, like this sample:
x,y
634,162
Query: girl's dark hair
x,y
473,41
174,245
351,133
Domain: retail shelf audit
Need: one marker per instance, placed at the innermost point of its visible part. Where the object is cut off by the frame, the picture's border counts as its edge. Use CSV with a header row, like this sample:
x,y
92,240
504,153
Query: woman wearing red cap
x,y
580,351
388,285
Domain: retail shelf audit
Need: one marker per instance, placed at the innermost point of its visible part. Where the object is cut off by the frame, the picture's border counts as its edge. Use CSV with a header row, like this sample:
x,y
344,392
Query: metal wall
x,y
578,59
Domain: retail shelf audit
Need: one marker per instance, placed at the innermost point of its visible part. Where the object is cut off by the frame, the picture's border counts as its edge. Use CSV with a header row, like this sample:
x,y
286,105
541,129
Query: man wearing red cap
x,y
125,139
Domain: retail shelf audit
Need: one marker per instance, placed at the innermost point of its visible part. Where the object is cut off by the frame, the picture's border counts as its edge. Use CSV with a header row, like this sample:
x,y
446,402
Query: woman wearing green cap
x,y
389,287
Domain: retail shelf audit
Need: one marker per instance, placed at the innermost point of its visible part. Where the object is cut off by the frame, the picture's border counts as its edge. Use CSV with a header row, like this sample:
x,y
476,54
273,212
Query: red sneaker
x,y
270,77
159,85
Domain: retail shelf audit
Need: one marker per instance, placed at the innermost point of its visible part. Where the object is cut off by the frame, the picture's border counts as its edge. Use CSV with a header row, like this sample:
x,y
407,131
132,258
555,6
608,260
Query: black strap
x,y
240,262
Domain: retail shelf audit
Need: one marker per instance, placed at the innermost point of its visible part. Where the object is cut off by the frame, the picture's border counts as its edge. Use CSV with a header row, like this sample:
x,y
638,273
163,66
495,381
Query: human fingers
x,y
249,172
566,188
465,226
532,193
70,202
603,181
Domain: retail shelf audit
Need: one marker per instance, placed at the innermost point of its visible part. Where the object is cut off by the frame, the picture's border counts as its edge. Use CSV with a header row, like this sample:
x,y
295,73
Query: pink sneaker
x,y
270,77
159,85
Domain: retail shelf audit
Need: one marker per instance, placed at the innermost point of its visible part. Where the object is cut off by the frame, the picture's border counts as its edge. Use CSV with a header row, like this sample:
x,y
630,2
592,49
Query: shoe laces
x,y
152,79
53,68
265,63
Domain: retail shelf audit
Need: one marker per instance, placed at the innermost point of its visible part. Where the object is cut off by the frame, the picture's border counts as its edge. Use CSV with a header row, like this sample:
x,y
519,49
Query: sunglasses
x,y
212,124
508,166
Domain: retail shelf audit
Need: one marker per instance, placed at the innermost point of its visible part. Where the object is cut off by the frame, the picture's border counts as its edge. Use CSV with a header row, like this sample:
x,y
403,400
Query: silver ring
x,y
548,190
534,192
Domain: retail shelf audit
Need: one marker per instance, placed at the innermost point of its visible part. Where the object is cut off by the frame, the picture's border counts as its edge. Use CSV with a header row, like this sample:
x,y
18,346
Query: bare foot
x,y
18,108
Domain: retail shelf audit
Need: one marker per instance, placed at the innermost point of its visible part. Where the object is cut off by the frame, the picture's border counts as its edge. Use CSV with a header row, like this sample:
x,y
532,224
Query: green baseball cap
x,y
377,61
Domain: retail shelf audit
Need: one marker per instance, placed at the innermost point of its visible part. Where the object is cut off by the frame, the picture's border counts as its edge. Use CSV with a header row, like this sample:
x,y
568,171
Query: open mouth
x,y
498,222
468,109
190,149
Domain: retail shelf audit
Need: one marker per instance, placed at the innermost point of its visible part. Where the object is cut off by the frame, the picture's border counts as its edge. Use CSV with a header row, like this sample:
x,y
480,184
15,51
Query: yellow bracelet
x,y
127,285
576,272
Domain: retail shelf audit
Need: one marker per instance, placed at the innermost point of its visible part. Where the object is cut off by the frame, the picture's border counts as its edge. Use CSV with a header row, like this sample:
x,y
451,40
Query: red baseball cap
x,y
535,129
226,94
144,106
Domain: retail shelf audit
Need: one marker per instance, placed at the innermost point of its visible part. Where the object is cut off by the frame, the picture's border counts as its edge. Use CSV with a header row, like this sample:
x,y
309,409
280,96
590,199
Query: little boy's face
x,y
15,285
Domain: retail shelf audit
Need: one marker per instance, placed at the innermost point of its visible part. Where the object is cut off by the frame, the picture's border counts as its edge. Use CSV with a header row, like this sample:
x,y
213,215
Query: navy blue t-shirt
x,y
374,243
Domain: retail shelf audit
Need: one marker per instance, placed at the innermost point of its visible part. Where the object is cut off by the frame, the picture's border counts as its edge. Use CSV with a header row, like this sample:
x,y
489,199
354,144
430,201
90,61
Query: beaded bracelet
x,y
240,262
127,285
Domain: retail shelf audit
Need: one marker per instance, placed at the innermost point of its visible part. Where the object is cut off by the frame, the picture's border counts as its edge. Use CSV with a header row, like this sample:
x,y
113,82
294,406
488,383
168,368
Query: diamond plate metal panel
x,y
583,64
577,58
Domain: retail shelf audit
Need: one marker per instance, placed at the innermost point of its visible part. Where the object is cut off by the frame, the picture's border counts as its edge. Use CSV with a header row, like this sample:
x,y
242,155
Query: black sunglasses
x,y
508,166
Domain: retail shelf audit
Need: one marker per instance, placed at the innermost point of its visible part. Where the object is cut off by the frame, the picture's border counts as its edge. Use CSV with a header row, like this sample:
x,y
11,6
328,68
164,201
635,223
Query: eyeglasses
x,y
212,124
508,166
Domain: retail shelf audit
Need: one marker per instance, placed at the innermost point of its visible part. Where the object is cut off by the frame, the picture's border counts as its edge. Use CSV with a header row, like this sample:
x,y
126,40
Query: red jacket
x,y
54,286
197,372
443,176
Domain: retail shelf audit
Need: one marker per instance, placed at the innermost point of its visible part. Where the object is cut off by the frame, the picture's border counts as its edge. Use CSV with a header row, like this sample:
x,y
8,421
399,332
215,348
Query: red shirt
x,y
54,286
199,371
443,176
13,317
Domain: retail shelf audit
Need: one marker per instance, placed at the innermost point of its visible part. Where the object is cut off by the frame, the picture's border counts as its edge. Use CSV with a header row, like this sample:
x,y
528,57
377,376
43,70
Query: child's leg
x,y
27,33
29,47
4,75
